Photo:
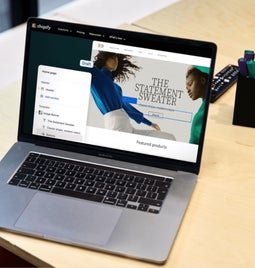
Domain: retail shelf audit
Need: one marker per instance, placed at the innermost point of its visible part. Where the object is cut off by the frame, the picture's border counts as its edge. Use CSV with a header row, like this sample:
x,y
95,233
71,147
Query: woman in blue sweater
x,y
110,67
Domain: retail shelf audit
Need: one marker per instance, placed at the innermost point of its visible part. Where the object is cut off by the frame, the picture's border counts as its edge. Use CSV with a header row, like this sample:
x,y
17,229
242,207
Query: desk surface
x,y
218,227
228,23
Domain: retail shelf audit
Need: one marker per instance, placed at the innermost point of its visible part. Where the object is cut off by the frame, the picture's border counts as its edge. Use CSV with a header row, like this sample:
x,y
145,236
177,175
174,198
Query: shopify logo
x,y
43,27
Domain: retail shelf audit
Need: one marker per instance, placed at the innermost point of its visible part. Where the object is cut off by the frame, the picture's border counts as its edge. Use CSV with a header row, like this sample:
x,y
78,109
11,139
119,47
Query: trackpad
x,y
69,220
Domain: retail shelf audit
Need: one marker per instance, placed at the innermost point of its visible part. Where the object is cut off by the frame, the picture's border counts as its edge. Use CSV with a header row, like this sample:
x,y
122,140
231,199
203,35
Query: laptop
x,y
110,138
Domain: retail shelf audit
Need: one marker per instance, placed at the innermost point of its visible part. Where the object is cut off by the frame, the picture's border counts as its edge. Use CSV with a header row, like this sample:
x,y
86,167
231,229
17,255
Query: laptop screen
x,y
115,90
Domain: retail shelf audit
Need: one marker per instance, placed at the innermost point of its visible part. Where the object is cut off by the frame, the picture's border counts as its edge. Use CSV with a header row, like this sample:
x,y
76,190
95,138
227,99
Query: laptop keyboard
x,y
96,183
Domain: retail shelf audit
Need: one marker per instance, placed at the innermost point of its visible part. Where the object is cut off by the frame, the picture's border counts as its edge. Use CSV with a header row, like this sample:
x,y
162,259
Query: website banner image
x,y
147,97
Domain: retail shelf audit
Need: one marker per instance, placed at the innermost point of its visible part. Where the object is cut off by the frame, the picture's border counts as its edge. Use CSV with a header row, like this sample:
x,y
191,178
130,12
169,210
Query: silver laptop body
x,y
63,115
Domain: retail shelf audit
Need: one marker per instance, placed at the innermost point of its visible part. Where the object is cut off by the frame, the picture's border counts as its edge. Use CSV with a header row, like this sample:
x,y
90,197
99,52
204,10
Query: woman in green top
x,y
196,83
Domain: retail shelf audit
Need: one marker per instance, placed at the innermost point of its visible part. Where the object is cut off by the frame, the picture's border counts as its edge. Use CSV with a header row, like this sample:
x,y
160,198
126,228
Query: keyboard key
x,y
40,161
69,166
129,177
79,181
61,184
130,191
81,188
112,194
143,207
141,186
139,179
118,176
89,170
32,157
69,179
110,187
108,174
154,211
41,167
14,181
120,182
86,196
152,189
78,168
131,206
91,190
121,203
80,175
110,180
29,165
34,185
45,188
149,181
161,184
30,178
39,173
40,180
99,185
131,185
120,189
24,184
27,171
133,198
51,169
19,176
50,182
50,163
90,176
100,178
70,186
151,202
59,177
89,183
141,192
60,171
151,195
70,173
49,175
110,200
98,172
101,192
122,196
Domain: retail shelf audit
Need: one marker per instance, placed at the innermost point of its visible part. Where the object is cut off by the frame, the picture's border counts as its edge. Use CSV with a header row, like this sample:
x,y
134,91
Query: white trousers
x,y
119,120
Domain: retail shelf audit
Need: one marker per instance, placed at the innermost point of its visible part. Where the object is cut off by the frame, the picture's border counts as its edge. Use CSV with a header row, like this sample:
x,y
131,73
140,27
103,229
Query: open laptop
x,y
104,157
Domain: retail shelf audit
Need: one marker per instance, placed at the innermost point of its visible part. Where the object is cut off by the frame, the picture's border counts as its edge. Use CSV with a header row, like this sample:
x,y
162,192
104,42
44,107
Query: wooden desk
x,y
218,227
228,23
